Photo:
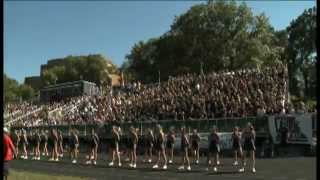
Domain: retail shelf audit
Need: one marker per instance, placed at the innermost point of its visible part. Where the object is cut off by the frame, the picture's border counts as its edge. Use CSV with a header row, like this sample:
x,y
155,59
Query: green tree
x,y
60,73
93,68
281,41
49,77
221,35
10,89
301,52
13,91
141,60
26,92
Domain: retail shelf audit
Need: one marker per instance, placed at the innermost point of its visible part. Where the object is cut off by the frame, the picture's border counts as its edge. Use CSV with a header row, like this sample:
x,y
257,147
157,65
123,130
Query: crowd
x,y
215,95
12,110
35,114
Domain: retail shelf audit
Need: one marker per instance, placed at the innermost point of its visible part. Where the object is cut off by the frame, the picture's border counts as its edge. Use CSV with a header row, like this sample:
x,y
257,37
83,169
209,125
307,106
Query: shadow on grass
x,y
223,172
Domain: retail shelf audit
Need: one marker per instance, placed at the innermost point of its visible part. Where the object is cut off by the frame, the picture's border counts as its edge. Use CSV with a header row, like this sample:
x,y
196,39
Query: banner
x,y
225,140
299,127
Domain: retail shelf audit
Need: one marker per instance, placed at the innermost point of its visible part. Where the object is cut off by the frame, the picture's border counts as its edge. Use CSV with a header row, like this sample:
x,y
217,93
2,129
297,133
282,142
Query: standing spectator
x,y
149,145
133,141
195,141
159,146
236,145
24,144
60,143
284,138
184,148
32,140
214,148
249,137
93,150
54,138
17,139
45,143
114,146
170,144
73,145
37,145
9,152
268,147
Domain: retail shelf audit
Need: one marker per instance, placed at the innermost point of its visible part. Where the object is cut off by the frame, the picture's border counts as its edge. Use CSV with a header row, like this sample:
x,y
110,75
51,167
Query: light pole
x,y
159,77
201,68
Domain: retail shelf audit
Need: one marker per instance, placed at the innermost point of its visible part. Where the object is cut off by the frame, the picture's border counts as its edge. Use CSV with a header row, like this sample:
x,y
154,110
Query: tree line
x,y
13,91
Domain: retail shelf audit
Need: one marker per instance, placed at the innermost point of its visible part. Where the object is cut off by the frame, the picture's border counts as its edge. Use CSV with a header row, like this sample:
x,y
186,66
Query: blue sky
x,y
35,31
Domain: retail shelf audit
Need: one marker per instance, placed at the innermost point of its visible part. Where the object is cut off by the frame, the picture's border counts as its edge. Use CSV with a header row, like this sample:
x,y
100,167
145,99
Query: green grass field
x,y
294,168
23,175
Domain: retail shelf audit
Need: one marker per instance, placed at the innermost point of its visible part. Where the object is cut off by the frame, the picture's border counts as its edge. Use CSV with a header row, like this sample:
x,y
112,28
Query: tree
x,y
301,53
141,60
10,89
13,91
48,77
26,92
126,74
93,68
220,35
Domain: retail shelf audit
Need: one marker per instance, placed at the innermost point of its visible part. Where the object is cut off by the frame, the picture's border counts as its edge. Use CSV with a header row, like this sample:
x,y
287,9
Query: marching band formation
x,y
163,144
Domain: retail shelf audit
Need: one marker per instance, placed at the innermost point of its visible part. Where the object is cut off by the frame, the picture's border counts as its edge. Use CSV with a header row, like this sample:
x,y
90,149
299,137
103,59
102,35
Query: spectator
x,y
9,152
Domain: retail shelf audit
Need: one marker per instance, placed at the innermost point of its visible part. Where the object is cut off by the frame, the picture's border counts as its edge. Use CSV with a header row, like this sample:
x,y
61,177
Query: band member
x,y
17,140
37,145
94,144
73,145
133,141
45,143
184,149
236,145
214,148
159,146
114,145
171,138
124,145
54,138
60,143
25,144
195,141
149,145
248,138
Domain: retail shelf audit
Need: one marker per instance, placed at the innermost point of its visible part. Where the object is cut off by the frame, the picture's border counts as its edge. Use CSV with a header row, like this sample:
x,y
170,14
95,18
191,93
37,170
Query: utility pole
x,y
159,77
201,68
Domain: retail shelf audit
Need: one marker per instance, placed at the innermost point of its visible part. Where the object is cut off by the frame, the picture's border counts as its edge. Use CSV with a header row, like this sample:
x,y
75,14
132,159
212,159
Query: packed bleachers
x,y
38,113
13,110
226,94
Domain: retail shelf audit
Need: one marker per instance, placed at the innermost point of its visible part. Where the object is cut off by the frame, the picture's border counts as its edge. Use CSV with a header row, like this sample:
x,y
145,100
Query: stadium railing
x,y
23,116
202,125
